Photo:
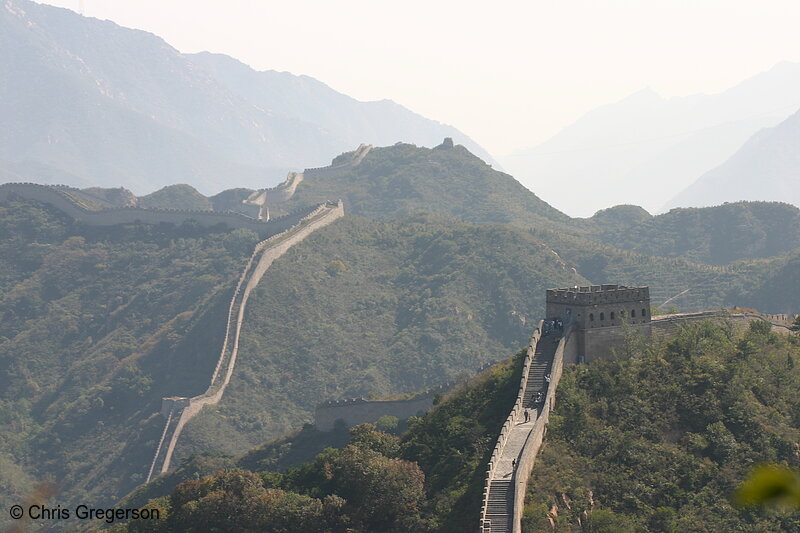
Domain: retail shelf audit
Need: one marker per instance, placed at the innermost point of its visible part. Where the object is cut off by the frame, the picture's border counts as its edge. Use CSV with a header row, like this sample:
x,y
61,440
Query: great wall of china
x,y
279,235
520,439
264,198
179,410
61,198
354,411
79,205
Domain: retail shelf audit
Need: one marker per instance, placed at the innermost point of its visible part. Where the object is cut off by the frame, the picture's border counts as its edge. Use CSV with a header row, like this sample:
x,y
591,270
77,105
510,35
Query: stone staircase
x,y
540,367
500,496
501,499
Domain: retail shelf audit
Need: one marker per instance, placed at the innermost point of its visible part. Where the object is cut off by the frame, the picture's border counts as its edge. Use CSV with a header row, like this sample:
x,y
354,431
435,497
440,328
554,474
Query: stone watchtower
x,y
602,314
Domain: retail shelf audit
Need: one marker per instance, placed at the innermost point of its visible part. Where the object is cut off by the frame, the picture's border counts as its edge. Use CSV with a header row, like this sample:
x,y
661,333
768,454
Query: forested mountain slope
x,y
777,287
401,180
96,325
99,323
713,235
396,181
376,308
655,441
176,197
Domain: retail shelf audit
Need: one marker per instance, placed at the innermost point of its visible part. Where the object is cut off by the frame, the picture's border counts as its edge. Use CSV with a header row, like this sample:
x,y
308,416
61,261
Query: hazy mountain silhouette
x,y
646,148
767,168
93,103
348,120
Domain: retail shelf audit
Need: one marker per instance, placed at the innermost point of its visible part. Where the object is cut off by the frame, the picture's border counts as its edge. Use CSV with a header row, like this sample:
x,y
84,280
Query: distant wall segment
x,y
353,160
361,411
352,412
61,198
283,192
667,325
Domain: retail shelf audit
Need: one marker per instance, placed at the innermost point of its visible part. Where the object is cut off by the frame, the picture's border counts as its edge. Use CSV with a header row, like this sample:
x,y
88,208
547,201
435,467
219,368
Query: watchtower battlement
x,y
598,294
599,312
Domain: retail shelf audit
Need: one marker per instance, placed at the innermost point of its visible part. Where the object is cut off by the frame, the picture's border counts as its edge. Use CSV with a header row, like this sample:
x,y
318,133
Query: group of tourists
x,y
556,325
538,397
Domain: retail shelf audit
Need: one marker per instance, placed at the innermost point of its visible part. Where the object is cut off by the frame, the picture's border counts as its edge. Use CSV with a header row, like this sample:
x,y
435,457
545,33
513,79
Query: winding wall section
x,y
179,411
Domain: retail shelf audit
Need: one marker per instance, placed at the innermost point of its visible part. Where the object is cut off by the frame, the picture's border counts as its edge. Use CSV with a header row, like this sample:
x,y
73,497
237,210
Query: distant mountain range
x,y
91,103
646,149
767,168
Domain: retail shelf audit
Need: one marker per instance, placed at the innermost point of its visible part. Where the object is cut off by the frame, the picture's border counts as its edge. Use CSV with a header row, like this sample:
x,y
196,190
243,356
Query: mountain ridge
x,y
102,105
766,168
612,150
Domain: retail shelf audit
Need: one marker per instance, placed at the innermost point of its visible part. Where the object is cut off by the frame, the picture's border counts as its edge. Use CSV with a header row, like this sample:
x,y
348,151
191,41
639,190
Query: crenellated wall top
x,y
598,294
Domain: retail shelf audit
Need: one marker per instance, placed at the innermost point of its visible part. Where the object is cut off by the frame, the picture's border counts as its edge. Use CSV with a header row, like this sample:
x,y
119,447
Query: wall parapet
x,y
597,294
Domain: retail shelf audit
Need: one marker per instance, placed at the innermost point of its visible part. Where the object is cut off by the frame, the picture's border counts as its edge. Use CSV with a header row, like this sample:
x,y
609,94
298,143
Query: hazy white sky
x,y
510,74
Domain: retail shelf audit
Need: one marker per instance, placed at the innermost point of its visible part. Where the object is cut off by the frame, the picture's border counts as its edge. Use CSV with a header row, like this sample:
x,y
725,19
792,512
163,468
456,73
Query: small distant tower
x,y
602,314
447,144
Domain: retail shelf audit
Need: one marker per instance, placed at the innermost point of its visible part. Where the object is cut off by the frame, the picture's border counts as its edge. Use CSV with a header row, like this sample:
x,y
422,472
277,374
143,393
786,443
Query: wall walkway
x,y
519,442
179,411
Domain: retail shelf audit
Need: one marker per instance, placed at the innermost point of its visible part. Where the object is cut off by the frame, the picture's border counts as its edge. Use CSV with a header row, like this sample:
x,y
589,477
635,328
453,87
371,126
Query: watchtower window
x,y
633,313
602,316
612,315
591,317
644,312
